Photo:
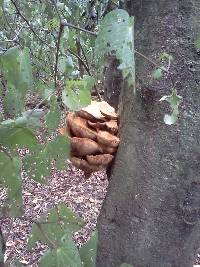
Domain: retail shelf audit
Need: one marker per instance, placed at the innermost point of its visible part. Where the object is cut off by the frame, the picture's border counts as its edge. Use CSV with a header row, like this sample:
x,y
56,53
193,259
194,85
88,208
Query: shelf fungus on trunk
x,y
93,136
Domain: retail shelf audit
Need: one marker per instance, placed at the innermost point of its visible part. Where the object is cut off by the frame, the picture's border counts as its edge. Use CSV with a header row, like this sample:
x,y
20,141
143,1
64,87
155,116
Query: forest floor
x,y
84,197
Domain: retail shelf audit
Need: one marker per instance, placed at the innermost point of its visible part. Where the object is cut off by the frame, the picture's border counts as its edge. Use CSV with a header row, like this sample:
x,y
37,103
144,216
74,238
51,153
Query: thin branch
x,y
40,103
83,52
78,47
65,23
151,61
158,66
79,58
27,22
57,54
17,34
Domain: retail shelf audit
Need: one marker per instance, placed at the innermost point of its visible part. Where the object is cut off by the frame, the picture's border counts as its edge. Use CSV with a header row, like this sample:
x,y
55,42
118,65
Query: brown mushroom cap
x,y
83,146
111,126
82,164
92,112
102,159
107,139
79,127
108,149
65,131
107,110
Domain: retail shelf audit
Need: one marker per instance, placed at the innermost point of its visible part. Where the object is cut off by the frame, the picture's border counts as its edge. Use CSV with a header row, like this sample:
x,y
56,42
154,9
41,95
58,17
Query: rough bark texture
x,y
151,213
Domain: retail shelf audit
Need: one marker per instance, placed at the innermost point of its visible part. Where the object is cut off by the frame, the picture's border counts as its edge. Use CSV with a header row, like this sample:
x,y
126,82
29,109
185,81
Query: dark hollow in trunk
x,y
150,217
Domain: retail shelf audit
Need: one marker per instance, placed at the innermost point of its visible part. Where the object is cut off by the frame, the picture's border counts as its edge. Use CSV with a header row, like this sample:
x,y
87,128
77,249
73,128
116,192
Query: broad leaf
x,y
16,68
88,251
77,93
174,100
13,135
52,227
116,38
37,164
10,177
157,74
58,149
63,256
53,116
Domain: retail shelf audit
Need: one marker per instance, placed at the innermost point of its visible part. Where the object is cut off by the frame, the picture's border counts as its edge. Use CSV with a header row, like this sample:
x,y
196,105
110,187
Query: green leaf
x,y
157,74
13,135
58,150
116,38
52,227
64,256
197,42
37,165
10,177
16,68
165,55
126,265
53,116
77,93
88,251
2,247
174,100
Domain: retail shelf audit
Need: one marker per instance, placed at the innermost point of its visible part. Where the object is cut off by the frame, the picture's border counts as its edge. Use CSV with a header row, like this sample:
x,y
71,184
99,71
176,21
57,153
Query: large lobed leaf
x,y
116,38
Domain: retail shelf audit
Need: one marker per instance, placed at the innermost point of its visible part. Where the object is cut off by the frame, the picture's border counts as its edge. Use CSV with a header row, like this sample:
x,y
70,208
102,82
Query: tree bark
x,y
150,217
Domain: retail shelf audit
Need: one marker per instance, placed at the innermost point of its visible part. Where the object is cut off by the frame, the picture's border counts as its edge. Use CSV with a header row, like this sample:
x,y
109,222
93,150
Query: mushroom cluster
x,y
93,136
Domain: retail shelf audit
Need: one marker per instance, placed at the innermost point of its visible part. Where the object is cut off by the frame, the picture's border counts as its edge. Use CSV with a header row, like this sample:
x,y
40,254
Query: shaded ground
x,y
82,196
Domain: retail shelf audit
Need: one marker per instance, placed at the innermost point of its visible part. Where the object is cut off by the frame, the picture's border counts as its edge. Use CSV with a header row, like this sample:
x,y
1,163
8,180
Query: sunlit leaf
x,y
174,101
157,74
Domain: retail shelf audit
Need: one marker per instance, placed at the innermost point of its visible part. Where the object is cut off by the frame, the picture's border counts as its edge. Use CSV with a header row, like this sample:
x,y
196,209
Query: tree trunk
x,y
150,217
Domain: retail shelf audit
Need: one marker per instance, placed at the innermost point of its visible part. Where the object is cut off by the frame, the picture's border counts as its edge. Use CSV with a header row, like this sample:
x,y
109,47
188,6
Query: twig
x,y
27,22
83,52
158,66
15,38
151,61
65,23
79,58
40,103
78,47
57,54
